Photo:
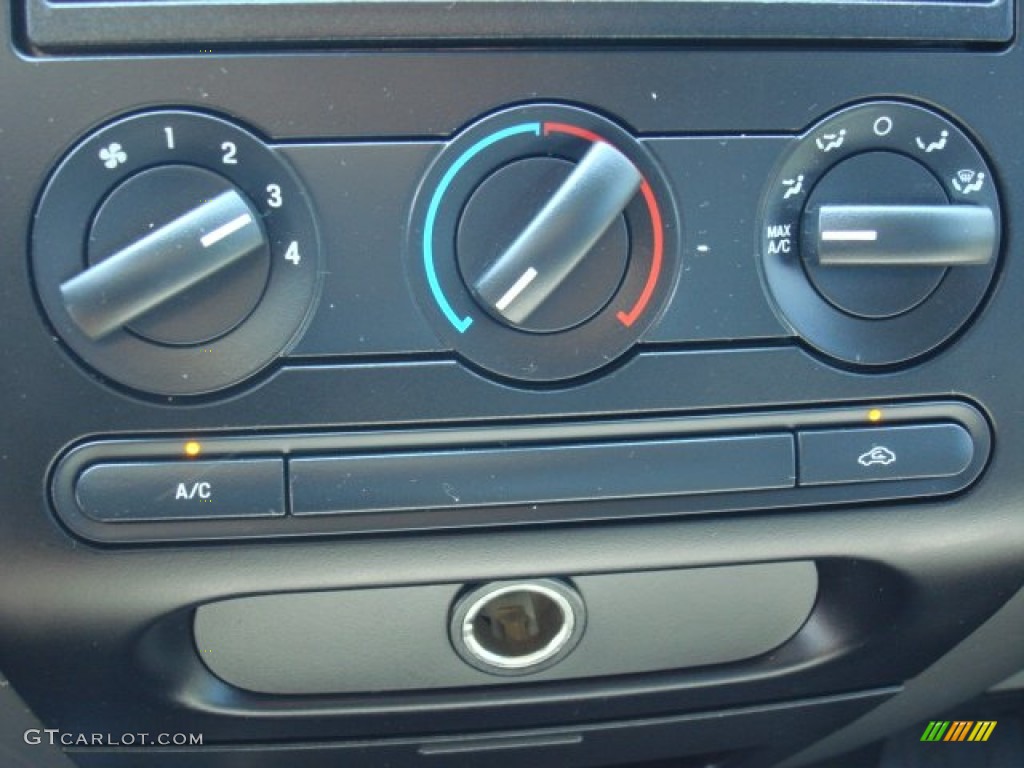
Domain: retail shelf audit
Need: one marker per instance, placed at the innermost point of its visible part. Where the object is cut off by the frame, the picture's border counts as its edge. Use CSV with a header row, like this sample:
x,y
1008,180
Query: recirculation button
x,y
181,490
832,456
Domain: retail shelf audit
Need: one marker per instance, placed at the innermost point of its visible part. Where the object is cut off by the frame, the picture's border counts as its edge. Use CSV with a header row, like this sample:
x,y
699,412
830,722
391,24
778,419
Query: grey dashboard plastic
x,y
363,640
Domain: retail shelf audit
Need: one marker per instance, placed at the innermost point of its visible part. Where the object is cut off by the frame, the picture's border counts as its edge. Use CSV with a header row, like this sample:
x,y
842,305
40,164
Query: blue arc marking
x,y
460,323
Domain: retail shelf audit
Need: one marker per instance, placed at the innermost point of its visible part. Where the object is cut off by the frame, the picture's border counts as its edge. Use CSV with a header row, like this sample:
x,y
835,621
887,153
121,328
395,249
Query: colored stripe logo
x,y
959,730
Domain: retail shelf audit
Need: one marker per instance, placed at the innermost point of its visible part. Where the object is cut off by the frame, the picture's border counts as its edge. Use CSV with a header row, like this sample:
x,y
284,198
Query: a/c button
x,y
835,456
181,490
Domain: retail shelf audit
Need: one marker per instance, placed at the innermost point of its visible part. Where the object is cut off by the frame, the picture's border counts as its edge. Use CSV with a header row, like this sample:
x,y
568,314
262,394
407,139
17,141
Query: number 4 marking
x,y
292,254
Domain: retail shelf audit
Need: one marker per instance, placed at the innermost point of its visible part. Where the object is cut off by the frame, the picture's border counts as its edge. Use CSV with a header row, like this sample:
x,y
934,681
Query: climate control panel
x,y
178,254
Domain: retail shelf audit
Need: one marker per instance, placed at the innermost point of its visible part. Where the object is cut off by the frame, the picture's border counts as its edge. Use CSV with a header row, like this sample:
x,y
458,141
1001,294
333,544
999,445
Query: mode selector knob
x,y
905,235
538,282
880,233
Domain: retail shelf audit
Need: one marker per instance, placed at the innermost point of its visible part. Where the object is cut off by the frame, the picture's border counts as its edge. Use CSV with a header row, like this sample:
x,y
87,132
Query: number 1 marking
x,y
169,132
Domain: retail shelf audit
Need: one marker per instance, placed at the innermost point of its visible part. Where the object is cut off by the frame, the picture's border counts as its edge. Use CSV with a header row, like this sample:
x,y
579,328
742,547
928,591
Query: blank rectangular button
x,y
429,480
873,454
181,490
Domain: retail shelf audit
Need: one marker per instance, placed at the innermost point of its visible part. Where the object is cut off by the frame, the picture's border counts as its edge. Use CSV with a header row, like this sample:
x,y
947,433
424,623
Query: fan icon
x,y
113,156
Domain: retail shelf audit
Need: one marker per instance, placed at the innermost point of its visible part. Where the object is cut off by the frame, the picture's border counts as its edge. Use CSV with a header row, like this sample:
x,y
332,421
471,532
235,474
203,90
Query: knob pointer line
x,y
512,276
211,239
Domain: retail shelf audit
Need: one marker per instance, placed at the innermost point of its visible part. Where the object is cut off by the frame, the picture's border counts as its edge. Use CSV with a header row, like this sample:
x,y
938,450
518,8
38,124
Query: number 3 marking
x,y
274,199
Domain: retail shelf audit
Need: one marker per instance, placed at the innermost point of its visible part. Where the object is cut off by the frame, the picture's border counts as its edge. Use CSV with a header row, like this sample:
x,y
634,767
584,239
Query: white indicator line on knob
x,y
212,238
850,235
518,287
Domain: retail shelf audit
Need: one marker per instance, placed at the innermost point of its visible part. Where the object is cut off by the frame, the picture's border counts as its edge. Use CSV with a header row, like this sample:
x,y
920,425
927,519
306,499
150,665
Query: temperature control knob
x,y
540,282
544,241
175,253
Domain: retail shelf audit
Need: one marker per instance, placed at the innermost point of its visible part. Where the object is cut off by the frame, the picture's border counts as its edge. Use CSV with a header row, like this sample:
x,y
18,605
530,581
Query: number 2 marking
x,y
230,150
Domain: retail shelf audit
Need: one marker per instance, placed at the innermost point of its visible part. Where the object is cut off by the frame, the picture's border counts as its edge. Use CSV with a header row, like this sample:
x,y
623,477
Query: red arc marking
x,y
573,130
630,317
